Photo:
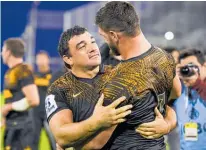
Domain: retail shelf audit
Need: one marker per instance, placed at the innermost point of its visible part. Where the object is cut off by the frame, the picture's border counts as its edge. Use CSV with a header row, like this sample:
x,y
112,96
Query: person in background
x,y
190,107
173,137
42,80
20,94
108,57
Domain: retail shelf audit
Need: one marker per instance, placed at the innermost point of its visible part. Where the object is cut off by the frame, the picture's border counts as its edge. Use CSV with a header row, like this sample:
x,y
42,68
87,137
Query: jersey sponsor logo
x,y
75,95
50,105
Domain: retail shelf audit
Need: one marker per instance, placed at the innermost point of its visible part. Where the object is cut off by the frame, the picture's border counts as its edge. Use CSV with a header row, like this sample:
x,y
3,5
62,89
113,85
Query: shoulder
x,y
62,83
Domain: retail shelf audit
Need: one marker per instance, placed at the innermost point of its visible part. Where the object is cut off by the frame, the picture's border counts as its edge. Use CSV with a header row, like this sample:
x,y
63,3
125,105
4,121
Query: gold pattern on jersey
x,y
137,77
7,94
41,81
15,74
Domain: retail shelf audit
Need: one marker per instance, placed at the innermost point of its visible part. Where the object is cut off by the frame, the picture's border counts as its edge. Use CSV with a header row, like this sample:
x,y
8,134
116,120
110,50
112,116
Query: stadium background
x,y
41,23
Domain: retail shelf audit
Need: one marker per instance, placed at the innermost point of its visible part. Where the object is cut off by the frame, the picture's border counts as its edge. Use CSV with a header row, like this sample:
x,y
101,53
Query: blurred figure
x,y
173,138
58,74
20,94
42,80
191,105
174,52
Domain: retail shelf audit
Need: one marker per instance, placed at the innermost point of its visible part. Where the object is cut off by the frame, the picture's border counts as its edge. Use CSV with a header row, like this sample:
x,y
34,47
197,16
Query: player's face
x,y
42,60
109,41
5,54
84,51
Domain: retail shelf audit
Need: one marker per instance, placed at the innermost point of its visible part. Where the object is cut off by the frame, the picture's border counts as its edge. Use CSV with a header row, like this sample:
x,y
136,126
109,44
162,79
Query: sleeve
x,y
26,77
55,102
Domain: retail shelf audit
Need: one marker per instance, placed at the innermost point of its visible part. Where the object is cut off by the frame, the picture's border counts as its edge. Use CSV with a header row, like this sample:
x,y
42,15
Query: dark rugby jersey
x,y
77,94
146,81
42,80
15,79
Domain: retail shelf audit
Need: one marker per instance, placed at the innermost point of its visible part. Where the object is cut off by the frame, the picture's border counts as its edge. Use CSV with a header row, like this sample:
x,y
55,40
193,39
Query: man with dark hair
x,y
191,105
20,93
75,116
146,76
197,62
42,79
73,113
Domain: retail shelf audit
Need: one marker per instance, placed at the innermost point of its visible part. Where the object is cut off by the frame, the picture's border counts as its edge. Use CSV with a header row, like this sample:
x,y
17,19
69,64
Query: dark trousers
x,y
19,138
40,122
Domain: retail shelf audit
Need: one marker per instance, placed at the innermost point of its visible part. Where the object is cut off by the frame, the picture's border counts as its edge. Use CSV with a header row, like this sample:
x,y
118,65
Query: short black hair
x,y
63,47
192,52
43,52
16,46
118,16
170,49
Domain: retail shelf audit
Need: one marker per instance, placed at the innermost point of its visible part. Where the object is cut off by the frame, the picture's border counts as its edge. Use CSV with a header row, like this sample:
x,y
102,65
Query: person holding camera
x,y
191,105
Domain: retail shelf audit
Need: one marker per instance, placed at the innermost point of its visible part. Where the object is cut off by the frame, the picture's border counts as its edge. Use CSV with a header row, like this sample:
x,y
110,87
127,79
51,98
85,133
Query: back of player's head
x,y
16,46
118,16
63,47
192,52
43,52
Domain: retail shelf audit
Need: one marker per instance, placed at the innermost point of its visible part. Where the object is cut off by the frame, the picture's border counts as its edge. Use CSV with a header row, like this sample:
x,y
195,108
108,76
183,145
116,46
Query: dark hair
x,y
192,52
16,46
43,52
118,16
170,49
63,47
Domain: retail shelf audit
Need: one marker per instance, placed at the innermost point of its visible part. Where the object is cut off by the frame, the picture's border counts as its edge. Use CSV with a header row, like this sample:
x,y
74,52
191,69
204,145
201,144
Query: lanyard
x,y
193,100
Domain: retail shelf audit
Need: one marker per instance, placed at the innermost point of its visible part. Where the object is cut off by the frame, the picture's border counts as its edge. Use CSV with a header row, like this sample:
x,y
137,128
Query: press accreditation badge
x,y
191,133
50,105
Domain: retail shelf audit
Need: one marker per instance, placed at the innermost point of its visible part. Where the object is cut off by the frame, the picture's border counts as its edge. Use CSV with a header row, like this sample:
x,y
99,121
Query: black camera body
x,y
189,70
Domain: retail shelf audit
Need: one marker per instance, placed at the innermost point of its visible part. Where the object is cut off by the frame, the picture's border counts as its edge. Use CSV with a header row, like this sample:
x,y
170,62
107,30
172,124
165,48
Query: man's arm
x,y
176,88
159,126
70,134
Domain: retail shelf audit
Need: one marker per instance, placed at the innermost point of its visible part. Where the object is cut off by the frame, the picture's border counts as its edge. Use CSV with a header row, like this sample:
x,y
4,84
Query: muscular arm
x,y
176,88
160,126
76,134
70,134
31,94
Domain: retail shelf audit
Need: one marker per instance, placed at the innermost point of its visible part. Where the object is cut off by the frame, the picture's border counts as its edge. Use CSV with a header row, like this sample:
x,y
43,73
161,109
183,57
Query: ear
x,y
114,36
68,60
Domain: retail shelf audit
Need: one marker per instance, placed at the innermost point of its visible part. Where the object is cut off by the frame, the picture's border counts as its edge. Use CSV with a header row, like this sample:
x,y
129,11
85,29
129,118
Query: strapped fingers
x,y
145,133
122,115
123,109
119,121
152,136
100,101
145,129
147,125
117,102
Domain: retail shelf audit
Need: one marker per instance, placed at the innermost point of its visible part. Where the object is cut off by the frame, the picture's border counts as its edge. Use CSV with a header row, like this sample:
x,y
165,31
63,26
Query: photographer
x,y
190,107
193,70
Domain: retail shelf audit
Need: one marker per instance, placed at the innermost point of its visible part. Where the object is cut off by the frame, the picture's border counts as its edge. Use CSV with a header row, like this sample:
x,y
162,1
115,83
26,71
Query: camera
x,y
189,70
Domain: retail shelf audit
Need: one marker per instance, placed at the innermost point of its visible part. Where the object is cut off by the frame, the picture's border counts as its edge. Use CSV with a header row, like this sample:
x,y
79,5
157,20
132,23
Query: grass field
x,y
44,144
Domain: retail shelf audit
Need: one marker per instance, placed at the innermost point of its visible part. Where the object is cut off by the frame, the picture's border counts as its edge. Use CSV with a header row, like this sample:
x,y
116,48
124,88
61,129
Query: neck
x,y
85,72
133,46
14,61
43,69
